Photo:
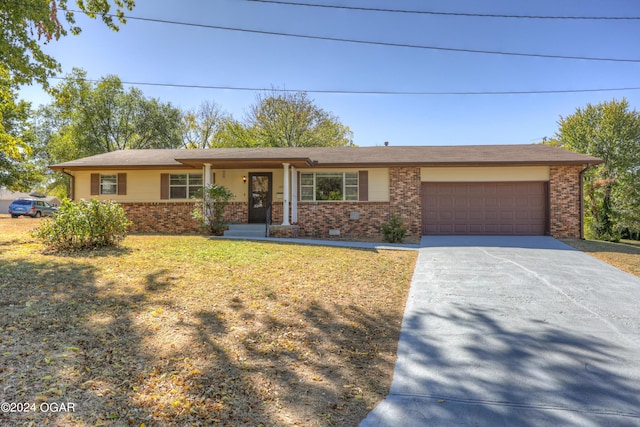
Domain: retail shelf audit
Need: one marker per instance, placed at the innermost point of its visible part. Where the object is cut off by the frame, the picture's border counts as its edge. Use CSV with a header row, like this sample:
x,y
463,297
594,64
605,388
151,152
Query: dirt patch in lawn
x,y
624,255
182,330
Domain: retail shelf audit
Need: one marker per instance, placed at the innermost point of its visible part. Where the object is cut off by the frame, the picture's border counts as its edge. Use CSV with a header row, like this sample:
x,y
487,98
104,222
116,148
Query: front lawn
x,y
183,330
624,255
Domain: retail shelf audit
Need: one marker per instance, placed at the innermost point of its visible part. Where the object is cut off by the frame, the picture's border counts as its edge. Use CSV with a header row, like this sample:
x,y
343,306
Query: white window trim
x,y
344,186
111,185
188,186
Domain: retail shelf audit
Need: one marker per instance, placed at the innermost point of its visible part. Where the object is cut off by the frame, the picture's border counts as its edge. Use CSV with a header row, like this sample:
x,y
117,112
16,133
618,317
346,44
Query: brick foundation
x,y
564,202
162,217
236,213
353,219
284,231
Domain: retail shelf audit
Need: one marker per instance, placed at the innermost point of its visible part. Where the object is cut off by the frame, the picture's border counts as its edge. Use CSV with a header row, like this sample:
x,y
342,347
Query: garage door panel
x,y
507,229
491,216
461,216
486,189
484,208
476,216
506,216
476,229
445,216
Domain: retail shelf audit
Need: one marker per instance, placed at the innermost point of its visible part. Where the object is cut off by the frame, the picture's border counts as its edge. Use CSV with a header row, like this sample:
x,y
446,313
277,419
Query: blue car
x,y
31,207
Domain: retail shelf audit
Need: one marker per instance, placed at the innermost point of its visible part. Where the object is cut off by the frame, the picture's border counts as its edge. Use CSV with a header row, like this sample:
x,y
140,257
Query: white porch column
x,y
294,195
207,174
207,208
285,198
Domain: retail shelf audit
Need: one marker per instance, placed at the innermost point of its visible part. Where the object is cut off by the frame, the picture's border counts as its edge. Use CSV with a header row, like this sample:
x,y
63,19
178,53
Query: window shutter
x,y
298,182
95,184
363,186
164,186
122,184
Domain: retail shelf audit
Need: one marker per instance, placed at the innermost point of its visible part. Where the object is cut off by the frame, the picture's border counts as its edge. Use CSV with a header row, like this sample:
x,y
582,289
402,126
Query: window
x,y
329,186
184,186
108,184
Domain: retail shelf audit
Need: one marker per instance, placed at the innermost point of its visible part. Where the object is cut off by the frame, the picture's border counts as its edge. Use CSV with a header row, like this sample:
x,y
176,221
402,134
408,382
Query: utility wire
x,y
387,44
364,92
473,15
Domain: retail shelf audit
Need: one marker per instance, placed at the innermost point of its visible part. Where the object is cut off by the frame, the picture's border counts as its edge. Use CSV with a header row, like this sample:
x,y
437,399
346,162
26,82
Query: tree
x,y
236,135
24,25
88,118
203,127
101,117
16,135
611,132
286,119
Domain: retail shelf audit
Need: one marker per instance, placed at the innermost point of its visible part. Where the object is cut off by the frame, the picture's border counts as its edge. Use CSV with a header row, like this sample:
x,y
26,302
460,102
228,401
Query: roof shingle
x,y
463,155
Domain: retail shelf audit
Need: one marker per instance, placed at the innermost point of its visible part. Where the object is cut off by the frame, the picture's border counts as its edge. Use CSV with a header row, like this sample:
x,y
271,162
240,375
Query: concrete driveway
x,y
515,331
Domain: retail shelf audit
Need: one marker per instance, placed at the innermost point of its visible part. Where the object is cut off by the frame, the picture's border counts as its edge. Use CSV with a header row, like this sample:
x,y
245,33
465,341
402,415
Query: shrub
x,y
214,199
394,231
84,225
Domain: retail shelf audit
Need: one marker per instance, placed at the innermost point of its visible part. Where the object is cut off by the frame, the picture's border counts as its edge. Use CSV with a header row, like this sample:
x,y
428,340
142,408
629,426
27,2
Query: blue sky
x,y
162,53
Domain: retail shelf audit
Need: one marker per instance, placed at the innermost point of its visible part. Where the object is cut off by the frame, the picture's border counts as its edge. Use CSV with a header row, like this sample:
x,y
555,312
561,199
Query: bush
x,y
394,231
84,225
214,199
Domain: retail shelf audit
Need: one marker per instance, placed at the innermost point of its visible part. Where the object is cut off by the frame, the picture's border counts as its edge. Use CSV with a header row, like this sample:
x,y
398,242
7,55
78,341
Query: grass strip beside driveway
x,y
624,255
183,330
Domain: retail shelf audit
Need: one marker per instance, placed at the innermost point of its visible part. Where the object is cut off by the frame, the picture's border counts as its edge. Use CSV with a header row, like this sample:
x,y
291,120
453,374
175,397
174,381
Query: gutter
x,y
72,184
581,178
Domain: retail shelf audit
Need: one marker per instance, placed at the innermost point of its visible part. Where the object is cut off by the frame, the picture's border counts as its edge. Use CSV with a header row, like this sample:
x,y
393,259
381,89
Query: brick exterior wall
x,y
175,217
364,219
284,231
162,217
236,213
405,197
317,218
564,202
360,219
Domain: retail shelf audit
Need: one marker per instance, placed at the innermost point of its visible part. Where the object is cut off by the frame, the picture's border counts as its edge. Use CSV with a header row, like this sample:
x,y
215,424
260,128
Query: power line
x,y
473,15
375,43
364,92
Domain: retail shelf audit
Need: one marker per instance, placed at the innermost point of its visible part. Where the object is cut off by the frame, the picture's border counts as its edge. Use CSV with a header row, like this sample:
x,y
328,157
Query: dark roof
x,y
461,155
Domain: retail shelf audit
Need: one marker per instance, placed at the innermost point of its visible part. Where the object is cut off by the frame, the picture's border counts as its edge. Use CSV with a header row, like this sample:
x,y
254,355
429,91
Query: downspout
x,y
581,178
72,184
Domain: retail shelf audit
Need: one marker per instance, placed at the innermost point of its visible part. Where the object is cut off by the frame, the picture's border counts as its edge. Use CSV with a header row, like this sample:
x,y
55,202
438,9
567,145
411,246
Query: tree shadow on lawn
x,y
99,252
127,355
65,339
7,244
485,371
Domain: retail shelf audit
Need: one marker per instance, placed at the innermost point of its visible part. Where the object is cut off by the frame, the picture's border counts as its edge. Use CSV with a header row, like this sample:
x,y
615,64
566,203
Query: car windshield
x,y
22,202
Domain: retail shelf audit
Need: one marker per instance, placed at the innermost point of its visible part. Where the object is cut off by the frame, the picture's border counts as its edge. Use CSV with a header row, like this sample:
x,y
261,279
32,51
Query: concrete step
x,y
246,226
245,230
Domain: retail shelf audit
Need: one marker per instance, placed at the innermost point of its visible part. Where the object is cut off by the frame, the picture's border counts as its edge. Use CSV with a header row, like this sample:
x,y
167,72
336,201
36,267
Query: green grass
x,y
183,330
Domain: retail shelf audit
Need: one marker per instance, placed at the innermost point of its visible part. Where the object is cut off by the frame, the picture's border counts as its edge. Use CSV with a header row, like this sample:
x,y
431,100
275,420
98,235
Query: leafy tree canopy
x,y
88,118
205,126
27,24
611,131
291,119
16,137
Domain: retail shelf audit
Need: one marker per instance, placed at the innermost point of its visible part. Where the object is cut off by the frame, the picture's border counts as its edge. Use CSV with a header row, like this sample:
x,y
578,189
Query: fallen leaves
x,y
182,330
